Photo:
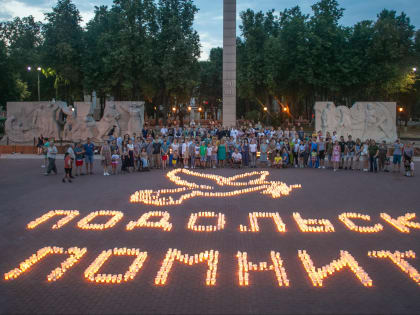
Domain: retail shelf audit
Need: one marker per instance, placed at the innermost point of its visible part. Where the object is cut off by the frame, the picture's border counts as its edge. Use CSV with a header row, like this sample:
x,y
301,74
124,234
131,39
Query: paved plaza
x,y
26,194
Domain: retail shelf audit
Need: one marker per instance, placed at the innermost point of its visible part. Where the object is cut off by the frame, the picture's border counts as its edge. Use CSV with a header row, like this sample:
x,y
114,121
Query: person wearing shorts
x,y
78,152
164,150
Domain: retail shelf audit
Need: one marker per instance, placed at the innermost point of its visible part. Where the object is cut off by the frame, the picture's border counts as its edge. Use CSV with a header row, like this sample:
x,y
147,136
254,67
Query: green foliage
x,y
22,37
211,79
149,50
8,89
253,115
299,59
177,51
63,48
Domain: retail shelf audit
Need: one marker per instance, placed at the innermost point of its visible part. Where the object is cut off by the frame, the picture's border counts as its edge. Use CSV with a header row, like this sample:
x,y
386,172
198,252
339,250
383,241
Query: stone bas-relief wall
x,y
364,120
28,120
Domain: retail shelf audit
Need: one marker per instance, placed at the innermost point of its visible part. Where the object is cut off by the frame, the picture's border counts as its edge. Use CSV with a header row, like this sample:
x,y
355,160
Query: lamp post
x,y
39,86
266,115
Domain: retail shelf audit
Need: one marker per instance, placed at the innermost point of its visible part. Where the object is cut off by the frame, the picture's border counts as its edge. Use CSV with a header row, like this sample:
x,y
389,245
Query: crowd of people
x,y
218,147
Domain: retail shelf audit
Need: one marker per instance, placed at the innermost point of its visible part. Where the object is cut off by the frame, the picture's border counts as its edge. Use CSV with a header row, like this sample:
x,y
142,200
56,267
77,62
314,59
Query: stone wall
x,y
364,120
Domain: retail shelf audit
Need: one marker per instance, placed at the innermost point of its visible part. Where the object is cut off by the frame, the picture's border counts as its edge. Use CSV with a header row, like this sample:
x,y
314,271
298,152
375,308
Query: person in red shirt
x,y
67,167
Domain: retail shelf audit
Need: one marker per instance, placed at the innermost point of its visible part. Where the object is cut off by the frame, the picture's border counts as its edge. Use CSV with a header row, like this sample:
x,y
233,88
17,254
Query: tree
x,y
63,49
256,28
289,60
176,53
22,37
211,79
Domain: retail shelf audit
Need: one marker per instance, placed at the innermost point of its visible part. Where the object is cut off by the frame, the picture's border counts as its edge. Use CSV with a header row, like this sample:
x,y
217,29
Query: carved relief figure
x,y
109,122
344,127
45,120
136,120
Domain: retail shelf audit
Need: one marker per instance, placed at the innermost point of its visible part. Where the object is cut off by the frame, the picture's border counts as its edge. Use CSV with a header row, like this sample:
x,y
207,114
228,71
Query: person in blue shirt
x,y
313,147
88,149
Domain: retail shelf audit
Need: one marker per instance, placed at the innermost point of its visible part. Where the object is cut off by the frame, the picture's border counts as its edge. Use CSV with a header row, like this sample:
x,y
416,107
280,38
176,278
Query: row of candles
x,y
212,258
398,259
346,260
91,273
116,216
32,260
245,266
149,197
75,254
346,219
306,225
206,228
402,223
253,220
316,275
68,216
220,180
163,223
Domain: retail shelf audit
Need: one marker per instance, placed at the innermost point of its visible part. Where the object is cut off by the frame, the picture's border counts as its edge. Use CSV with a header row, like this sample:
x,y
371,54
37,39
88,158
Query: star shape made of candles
x,y
190,189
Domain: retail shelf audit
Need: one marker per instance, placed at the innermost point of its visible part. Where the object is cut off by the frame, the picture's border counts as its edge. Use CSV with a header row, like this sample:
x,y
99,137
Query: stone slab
x,y
364,120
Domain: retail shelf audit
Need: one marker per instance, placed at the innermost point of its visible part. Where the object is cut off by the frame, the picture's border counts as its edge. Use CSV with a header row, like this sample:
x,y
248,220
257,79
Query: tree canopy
x,y
149,50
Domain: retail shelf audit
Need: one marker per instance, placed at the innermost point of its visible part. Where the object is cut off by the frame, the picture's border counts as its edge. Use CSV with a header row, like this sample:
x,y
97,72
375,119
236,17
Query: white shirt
x,y
184,148
209,150
237,156
253,147
130,146
163,131
71,153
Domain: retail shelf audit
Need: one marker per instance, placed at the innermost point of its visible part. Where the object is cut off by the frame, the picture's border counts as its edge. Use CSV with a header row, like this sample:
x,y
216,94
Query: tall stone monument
x,y
229,63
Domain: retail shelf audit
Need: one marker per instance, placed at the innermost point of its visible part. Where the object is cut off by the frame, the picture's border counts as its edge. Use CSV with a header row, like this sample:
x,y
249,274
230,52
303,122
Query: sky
x,y
209,19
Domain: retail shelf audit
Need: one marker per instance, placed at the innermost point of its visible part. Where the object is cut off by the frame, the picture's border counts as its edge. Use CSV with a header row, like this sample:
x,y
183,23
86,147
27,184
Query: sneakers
x,y
42,166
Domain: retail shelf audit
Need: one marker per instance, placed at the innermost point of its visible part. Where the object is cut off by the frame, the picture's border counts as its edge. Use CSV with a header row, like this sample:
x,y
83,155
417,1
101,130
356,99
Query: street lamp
x,y
414,69
265,109
200,109
400,109
39,87
174,109
189,108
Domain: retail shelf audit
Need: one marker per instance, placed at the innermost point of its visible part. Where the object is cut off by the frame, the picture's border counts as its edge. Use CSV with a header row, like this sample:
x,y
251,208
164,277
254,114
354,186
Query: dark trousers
x,y
373,163
51,166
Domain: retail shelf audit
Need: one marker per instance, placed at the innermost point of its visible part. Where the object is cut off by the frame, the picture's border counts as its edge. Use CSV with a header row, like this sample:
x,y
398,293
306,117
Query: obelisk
x,y
229,63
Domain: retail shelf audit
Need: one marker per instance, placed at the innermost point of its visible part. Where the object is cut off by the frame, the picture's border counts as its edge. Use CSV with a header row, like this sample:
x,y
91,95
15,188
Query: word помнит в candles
x,y
355,222
210,258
